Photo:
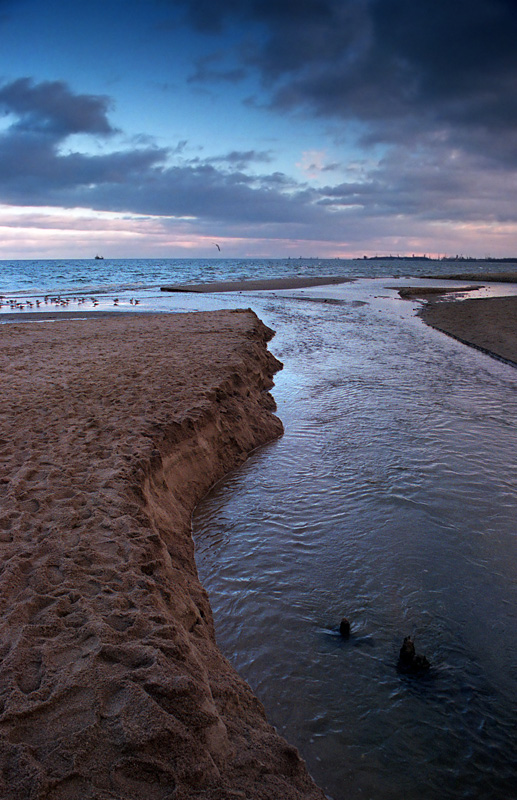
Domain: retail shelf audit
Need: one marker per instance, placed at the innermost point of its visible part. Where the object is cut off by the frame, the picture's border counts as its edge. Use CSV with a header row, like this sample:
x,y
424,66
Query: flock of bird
x,y
17,304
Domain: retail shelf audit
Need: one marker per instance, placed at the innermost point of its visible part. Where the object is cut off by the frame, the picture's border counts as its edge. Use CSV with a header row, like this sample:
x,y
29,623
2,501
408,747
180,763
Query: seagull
x,y
217,246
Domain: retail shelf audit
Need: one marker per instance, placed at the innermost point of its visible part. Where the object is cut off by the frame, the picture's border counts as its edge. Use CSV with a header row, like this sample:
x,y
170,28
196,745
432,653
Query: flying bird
x,y
217,246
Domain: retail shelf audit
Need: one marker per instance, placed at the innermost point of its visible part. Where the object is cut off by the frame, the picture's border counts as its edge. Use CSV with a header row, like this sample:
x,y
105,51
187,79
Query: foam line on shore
x,y
111,681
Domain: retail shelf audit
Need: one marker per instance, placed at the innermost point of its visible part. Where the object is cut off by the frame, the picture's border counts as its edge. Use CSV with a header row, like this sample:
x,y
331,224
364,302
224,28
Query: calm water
x,y
390,499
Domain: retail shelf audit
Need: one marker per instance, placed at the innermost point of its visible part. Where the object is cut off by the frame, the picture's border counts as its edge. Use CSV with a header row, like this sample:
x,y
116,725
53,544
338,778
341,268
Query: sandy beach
x,y
112,686
489,324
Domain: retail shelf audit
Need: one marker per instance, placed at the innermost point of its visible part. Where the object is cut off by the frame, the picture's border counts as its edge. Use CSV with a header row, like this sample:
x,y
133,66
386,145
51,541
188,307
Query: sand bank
x,y
112,687
424,292
489,277
254,286
489,324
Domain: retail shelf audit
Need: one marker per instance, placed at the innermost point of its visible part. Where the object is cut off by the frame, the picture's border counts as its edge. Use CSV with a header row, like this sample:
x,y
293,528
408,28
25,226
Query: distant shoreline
x,y
454,259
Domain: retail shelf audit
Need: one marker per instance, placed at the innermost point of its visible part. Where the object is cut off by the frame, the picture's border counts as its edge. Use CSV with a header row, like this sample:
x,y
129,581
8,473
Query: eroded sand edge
x,y
112,685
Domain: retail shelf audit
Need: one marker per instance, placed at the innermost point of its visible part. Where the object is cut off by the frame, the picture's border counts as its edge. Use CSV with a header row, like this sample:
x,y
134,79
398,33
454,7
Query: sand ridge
x,y
488,324
257,285
112,687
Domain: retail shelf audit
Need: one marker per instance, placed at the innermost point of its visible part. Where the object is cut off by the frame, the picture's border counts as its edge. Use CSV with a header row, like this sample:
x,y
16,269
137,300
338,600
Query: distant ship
x,y
99,258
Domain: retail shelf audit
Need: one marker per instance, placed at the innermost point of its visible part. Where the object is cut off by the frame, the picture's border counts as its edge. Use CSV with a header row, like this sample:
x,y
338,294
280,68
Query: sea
x,y
390,500
108,280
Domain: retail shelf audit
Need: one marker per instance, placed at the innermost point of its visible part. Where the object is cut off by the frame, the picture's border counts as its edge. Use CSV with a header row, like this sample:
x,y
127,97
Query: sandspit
x,y
488,277
112,686
489,324
424,292
254,286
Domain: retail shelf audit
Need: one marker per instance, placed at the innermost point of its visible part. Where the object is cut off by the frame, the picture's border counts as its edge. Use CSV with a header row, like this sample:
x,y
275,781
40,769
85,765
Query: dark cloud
x,y
428,184
32,166
34,170
209,194
52,108
242,159
427,84
401,66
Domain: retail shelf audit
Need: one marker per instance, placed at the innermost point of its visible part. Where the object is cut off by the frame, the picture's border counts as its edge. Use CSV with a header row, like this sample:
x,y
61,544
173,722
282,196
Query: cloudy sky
x,y
153,128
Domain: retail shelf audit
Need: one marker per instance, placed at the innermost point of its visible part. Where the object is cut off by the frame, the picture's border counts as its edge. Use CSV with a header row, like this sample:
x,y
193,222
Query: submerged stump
x,y
409,661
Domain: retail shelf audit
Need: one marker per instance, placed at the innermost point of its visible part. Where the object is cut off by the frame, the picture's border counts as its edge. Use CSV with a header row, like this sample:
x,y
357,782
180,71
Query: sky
x,y
274,128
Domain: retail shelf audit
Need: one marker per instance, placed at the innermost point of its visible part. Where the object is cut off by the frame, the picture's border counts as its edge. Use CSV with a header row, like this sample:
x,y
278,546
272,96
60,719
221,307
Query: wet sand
x,y
424,292
254,286
489,324
489,277
112,686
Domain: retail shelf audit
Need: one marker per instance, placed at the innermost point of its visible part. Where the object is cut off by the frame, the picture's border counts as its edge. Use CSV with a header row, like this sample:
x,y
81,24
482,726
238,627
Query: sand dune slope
x,y
112,686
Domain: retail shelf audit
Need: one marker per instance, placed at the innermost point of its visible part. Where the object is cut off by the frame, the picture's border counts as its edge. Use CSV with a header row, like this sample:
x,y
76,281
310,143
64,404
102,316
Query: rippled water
x,y
390,499
126,278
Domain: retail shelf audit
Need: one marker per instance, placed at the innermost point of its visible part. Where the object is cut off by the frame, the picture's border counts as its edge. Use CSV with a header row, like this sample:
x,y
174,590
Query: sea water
x,y
390,499
124,279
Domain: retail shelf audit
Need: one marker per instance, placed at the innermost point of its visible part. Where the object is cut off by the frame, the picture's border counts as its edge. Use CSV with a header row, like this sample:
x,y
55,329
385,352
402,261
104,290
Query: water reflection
x,y
390,499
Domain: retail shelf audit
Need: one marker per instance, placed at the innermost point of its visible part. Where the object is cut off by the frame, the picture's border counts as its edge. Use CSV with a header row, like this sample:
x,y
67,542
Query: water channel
x,y
391,500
